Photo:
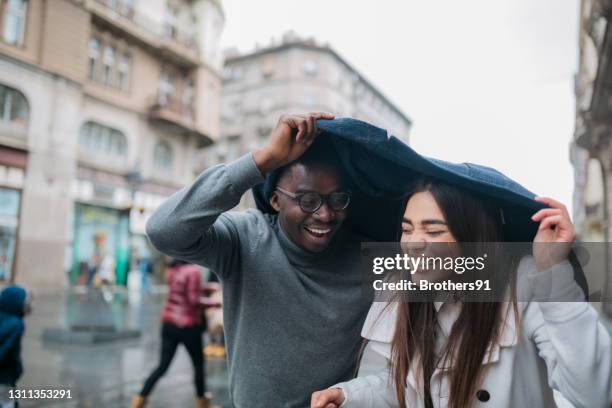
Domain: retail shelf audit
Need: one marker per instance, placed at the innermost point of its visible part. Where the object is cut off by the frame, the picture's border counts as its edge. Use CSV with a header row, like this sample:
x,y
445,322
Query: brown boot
x,y
138,402
204,402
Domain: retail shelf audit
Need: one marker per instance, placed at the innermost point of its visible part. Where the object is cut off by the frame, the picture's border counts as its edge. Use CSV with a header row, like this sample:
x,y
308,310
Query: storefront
x,y
109,220
100,230
9,221
12,174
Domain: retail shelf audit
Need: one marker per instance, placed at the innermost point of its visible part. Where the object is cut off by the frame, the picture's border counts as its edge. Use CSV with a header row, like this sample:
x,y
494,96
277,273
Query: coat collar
x,y
449,311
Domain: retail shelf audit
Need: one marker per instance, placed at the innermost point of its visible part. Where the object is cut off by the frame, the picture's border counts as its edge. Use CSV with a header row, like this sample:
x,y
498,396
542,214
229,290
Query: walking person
x,y
15,304
500,354
284,316
182,323
145,268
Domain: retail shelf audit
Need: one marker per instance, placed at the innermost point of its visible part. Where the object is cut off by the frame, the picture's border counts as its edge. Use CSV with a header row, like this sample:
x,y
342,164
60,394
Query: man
x,y
293,305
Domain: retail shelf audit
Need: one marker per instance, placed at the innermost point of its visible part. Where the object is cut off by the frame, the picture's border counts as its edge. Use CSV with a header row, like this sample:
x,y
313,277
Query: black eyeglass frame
x,y
322,198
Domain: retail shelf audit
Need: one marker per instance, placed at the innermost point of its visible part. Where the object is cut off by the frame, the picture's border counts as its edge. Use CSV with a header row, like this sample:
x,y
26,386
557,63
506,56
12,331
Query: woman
x,y
498,354
181,324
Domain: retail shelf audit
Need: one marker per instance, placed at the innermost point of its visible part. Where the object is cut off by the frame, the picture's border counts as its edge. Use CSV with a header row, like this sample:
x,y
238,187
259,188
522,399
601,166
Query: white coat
x,y
560,345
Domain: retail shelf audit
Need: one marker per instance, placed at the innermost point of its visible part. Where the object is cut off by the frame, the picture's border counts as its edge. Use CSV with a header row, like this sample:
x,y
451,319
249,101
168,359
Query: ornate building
x,y
295,75
103,107
591,149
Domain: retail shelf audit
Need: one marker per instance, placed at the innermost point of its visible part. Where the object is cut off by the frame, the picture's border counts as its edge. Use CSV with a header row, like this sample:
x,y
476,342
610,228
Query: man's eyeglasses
x,y
310,202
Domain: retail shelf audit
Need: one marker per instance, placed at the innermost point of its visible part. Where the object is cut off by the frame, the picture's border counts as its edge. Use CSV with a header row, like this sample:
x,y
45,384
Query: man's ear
x,y
274,201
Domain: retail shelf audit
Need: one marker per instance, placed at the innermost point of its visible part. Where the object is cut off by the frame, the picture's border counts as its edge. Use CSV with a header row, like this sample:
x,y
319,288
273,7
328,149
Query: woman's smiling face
x,y
424,224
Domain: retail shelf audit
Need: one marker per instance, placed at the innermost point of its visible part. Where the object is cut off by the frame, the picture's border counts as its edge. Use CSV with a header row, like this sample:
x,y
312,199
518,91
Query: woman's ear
x,y
274,201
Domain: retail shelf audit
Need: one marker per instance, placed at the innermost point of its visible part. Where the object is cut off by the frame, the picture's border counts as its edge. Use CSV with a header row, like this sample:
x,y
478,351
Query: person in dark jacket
x,y
14,306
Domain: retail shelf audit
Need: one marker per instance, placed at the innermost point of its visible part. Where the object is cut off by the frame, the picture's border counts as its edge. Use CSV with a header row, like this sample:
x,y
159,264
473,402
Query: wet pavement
x,y
109,374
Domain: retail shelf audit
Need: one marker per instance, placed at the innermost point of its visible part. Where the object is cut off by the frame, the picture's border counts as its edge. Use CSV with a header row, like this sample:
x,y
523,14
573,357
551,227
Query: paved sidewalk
x,y
107,375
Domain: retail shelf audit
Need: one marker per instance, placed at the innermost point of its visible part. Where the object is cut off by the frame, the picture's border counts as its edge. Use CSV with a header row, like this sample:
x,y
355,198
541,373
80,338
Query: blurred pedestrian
x,y
15,304
145,268
182,323
101,264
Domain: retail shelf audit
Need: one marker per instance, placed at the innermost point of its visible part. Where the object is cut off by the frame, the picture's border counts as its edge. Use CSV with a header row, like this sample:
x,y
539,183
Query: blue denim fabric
x,y
380,168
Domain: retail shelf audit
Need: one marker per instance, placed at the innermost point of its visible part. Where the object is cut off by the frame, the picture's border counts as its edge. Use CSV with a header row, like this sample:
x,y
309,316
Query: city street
x,y
235,158
108,374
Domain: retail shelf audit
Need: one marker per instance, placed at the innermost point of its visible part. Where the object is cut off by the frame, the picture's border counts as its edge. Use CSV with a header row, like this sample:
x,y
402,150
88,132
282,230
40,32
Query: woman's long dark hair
x,y
469,219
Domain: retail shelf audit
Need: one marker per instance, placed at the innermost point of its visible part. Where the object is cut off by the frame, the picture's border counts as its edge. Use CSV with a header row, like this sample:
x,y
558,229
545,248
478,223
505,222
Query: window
x,y
267,70
127,8
108,64
94,56
123,73
266,104
311,68
14,21
233,73
162,156
189,97
97,138
14,110
108,60
9,214
171,22
166,88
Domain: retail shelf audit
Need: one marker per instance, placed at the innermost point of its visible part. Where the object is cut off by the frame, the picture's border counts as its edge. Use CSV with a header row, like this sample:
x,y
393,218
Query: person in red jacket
x,y
182,323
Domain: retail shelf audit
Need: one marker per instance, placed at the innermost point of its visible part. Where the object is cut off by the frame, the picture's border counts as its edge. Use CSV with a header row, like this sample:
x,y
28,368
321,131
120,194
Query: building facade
x,y
591,149
104,105
294,76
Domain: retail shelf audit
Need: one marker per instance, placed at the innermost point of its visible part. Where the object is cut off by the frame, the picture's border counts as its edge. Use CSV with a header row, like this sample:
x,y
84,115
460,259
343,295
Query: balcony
x,y
172,115
14,135
168,42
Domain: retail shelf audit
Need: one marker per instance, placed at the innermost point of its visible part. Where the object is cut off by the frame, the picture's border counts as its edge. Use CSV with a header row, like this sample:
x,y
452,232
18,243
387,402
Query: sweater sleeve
x,y
190,225
573,343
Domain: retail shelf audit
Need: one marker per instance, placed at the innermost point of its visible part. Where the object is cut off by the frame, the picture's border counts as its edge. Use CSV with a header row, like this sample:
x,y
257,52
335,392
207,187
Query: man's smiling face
x,y
312,232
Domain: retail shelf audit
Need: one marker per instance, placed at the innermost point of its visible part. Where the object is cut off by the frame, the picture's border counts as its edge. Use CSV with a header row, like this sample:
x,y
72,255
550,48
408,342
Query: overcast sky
x,y
484,81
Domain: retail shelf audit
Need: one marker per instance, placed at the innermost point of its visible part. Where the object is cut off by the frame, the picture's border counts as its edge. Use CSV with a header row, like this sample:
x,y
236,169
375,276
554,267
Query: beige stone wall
x,y
50,69
46,196
208,96
64,39
144,80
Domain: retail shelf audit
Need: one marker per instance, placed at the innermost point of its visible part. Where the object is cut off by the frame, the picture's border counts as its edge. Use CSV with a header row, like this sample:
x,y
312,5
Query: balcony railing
x,y
175,115
174,105
163,33
123,8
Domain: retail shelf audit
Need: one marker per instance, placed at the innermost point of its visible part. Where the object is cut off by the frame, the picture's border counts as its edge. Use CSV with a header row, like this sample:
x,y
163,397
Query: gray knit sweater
x,y
292,318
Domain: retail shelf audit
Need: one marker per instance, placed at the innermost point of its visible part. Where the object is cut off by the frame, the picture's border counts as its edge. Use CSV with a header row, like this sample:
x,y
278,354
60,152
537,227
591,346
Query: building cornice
x,y
312,46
